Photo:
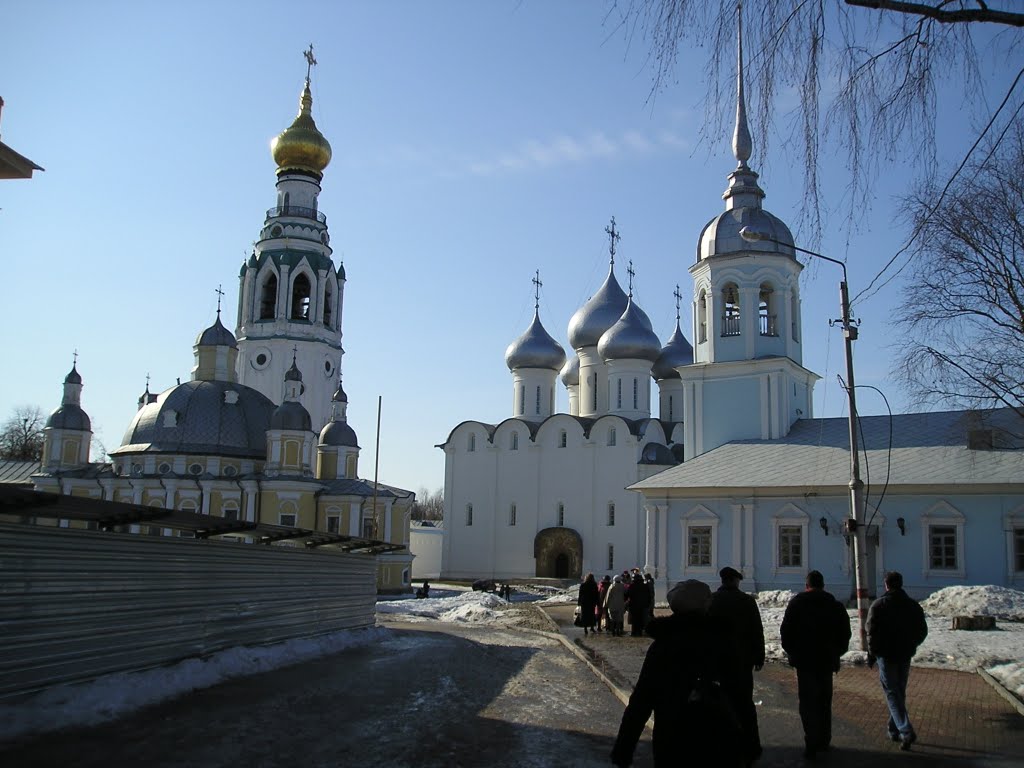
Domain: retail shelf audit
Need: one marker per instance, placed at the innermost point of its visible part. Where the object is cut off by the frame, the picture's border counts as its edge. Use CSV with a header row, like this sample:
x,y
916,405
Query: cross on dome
x,y
632,274
219,293
310,61
536,289
613,238
679,298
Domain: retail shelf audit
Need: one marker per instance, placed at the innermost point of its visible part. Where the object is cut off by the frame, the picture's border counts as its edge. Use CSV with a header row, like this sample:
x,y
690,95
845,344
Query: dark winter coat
x,y
740,611
686,646
895,626
638,599
815,631
588,601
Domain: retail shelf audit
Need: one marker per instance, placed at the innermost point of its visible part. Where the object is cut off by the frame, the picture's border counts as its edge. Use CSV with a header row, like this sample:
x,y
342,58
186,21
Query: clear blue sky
x,y
473,143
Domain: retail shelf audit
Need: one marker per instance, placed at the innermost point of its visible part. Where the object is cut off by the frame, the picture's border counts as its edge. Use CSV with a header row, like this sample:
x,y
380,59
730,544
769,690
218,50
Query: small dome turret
x,y
535,349
291,415
293,373
338,433
677,351
631,337
216,336
570,372
73,377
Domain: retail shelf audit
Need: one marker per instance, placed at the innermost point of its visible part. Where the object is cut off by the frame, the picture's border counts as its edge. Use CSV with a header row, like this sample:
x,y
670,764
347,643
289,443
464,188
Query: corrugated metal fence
x,y
77,604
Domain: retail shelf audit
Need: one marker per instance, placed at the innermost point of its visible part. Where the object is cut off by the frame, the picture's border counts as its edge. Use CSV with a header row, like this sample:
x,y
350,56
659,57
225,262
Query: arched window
x,y
471,446
268,298
766,311
515,441
561,514
794,313
328,304
229,511
611,436
300,298
187,505
702,317
730,310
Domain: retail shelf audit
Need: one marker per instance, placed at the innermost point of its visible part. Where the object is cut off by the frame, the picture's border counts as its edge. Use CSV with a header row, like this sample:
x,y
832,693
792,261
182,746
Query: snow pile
x,y
112,696
1001,602
459,608
1011,676
774,598
563,597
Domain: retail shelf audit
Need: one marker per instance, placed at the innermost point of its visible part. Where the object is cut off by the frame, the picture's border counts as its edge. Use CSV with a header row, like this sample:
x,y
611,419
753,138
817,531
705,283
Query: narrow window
x,y
561,514
472,442
730,310
702,318
328,303
333,523
538,401
670,418
636,393
611,436
595,391
522,399
1018,549
790,546
611,513
368,528
512,515
300,298
698,547
611,557
618,393
942,546
469,514
766,311
794,314
268,298
562,438
229,511
515,441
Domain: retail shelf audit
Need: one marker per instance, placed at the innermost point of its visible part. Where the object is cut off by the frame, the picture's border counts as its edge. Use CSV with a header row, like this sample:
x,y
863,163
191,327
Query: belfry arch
x,y
559,553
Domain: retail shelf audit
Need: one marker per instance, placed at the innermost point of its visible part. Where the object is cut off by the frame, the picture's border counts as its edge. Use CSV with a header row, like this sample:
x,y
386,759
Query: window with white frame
x,y
942,539
611,513
333,523
791,546
611,557
512,514
561,514
790,525
698,546
611,436
469,514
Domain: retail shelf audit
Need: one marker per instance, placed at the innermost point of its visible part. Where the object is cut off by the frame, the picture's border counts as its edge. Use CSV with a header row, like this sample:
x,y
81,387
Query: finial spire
x,y
310,61
613,238
74,361
632,274
536,290
679,299
741,143
219,293
147,382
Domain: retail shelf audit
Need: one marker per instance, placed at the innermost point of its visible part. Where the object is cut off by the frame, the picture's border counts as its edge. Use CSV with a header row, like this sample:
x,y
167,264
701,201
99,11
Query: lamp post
x,y
855,525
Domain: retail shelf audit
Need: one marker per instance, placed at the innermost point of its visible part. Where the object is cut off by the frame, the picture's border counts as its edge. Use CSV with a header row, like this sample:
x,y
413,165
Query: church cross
x,y
75,356
536,289
310,60
613,238
679,298
147,382
219,293
632,274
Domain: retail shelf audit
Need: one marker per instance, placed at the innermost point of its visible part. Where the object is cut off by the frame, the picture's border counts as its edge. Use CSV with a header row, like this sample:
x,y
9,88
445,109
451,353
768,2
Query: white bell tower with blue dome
x,y
290,292
747,380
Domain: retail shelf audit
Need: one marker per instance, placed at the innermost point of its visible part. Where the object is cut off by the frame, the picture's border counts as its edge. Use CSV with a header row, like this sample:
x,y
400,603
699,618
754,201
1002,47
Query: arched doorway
x,y
559,553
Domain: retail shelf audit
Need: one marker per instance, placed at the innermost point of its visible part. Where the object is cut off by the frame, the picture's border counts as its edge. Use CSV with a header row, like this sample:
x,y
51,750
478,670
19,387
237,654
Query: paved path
x,y
960,720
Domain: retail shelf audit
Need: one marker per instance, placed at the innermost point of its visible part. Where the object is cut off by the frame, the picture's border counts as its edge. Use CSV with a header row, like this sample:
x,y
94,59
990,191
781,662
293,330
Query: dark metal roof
x,y
18,472
36,505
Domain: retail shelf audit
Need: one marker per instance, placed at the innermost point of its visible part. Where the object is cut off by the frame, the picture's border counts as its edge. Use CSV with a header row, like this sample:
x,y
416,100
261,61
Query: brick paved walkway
x,y
960,720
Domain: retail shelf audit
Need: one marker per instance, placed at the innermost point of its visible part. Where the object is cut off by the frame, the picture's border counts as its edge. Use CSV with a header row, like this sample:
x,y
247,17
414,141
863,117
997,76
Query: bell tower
x,y
290,292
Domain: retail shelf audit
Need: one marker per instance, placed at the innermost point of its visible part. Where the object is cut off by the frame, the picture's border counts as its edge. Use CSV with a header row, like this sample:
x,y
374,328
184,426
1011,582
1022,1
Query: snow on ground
x,y
1001,602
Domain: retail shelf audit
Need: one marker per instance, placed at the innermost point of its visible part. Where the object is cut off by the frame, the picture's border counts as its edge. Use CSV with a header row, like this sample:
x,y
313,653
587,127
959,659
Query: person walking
x,y
587,601
638,603
815,633
690,653
649,581
740,613
602,591
895,627
615,606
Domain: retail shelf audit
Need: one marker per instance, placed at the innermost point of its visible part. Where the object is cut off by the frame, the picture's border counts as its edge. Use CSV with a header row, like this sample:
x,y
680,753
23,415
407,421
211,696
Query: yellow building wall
x,y
271,505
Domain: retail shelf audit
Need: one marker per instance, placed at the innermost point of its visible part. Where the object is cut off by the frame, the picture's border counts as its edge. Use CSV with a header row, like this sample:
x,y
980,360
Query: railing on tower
x,y
768,327
299,211
730,325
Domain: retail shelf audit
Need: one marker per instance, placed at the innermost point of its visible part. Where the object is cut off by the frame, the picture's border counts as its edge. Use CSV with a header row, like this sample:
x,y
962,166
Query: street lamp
x,y
856,522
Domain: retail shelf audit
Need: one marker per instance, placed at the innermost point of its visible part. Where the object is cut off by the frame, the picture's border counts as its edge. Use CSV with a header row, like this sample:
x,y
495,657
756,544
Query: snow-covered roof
x,y
928,449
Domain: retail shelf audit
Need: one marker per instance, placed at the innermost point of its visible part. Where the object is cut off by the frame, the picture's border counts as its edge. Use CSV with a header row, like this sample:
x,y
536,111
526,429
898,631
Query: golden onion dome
x,y
301,146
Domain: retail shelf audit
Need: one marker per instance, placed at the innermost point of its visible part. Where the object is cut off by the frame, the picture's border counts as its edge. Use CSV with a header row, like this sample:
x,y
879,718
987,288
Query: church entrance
x,y
559,553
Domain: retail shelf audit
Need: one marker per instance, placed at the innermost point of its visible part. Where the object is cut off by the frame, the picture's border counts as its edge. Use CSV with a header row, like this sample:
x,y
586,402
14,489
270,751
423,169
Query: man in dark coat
x,y
815,633
895,627
740,612
638,604
690,651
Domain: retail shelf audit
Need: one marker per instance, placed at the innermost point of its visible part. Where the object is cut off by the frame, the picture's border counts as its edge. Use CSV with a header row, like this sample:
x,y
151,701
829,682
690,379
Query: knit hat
x,y
690,596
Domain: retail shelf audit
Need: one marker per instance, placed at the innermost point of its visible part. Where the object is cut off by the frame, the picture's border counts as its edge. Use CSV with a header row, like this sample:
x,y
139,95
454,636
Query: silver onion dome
x,y
535,349
218,418
216,336
570,372
598,315
677,351
631,338
721,235
338,433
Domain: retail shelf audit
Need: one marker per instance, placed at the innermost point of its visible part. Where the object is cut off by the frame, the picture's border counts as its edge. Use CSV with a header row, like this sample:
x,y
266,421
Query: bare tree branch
x,y
958,16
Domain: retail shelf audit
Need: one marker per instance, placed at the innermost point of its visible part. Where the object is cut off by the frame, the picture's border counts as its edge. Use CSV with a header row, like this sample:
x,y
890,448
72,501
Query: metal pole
x,y
856,526
376,469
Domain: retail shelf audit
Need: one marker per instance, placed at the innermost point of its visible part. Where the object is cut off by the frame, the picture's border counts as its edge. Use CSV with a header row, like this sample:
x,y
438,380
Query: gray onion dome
x,y
721,235
291,415
339,395
73,377
598,315
570,372
216,336
677,351
630,338
338,433
293,373
69,416
535,349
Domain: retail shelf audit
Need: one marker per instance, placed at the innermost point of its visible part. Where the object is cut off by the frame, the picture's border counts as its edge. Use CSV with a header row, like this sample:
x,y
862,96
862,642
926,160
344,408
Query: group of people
x,y
697,677
603,605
